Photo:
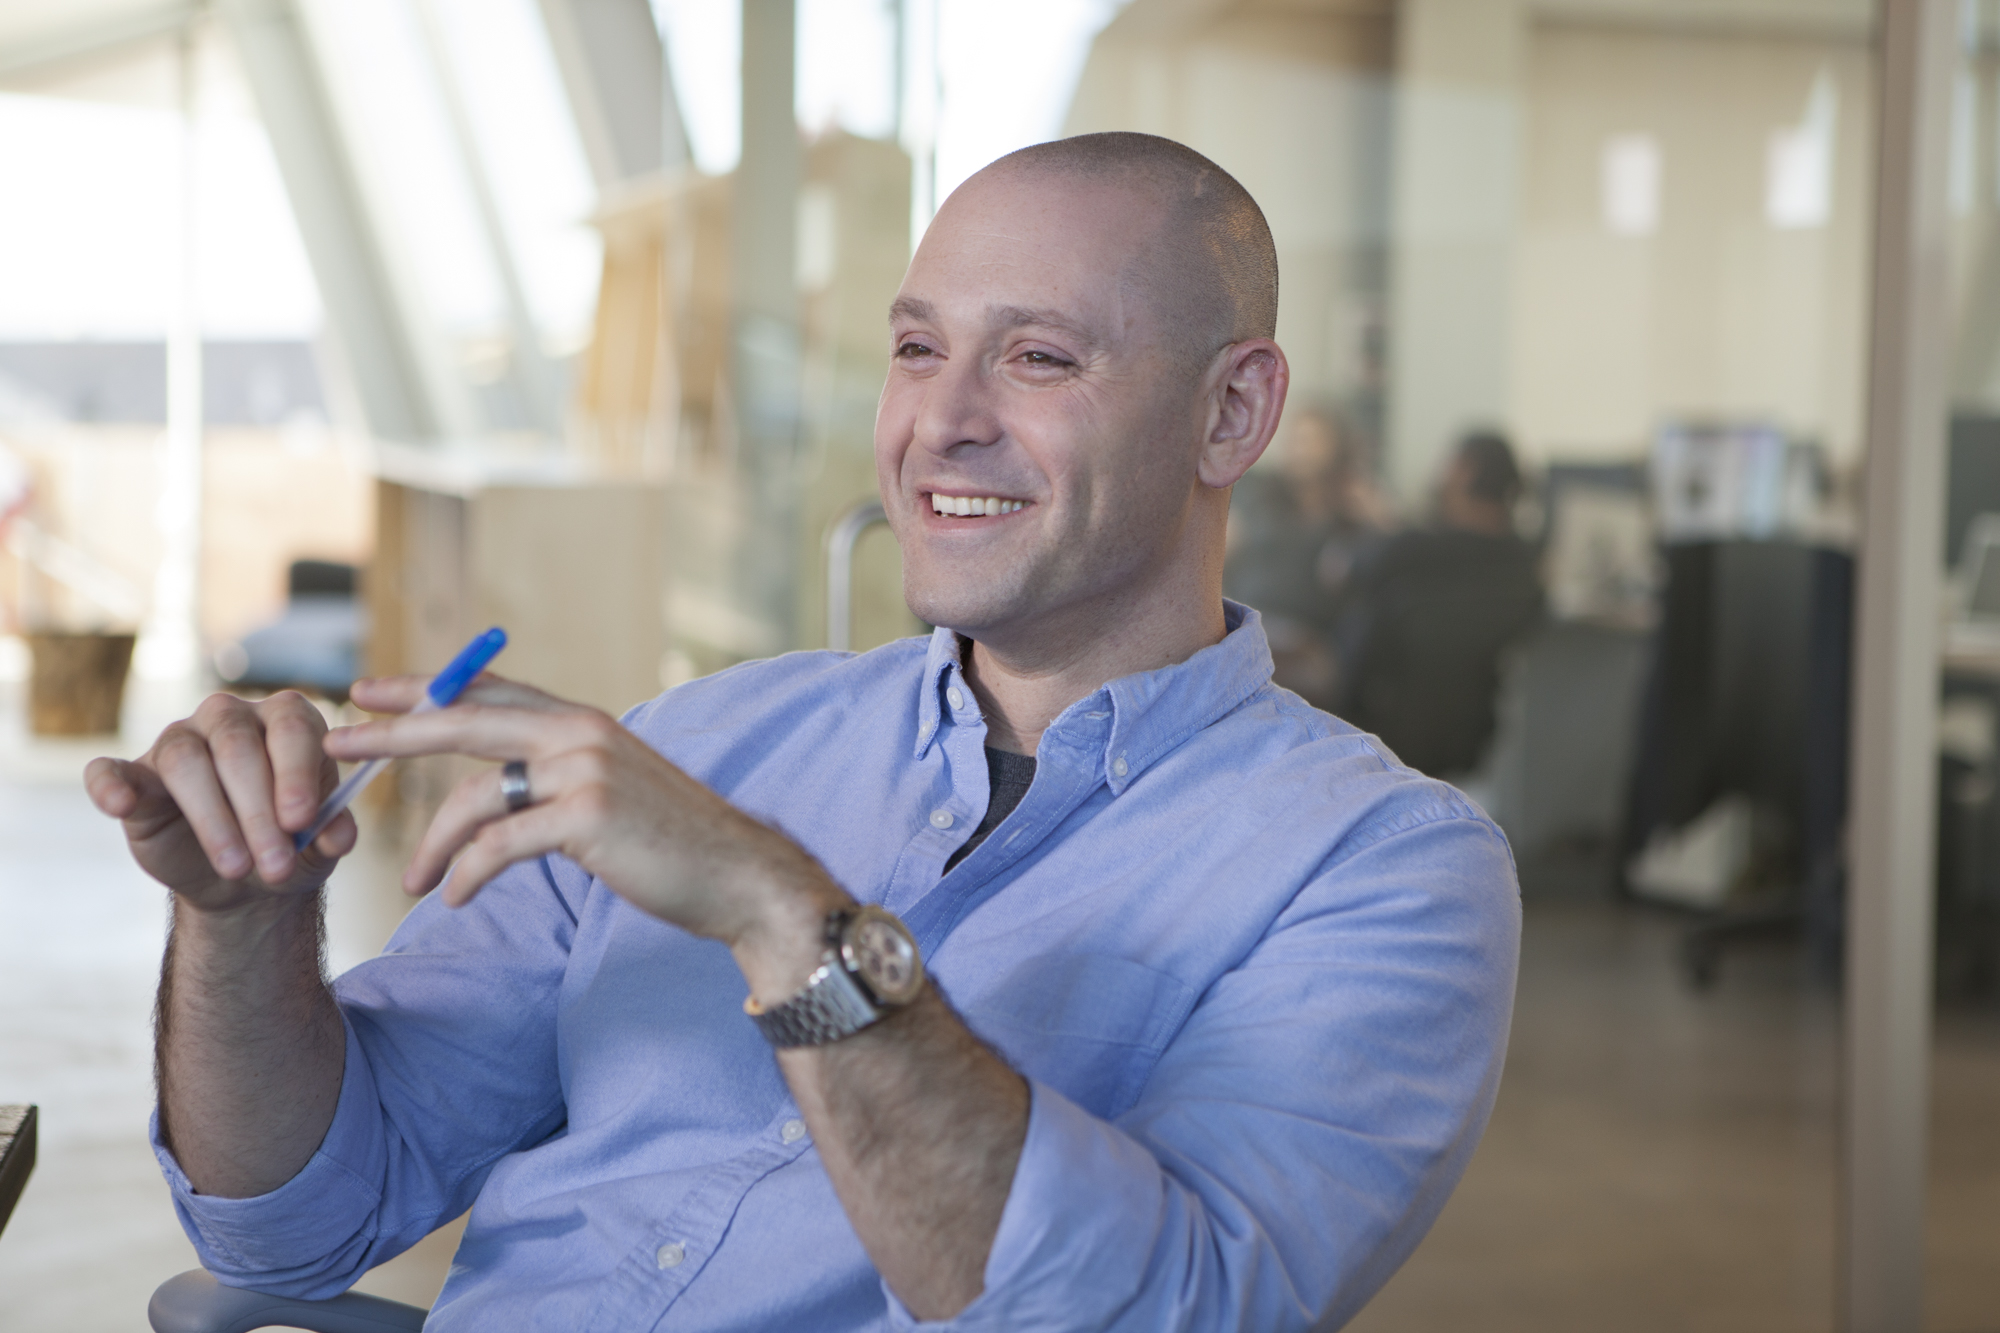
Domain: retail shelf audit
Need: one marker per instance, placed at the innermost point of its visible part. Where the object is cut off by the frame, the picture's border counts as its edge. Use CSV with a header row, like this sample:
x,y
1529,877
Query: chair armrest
x,y
196,1303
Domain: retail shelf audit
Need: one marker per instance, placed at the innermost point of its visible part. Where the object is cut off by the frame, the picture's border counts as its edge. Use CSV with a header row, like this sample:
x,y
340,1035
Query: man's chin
x,y
969,611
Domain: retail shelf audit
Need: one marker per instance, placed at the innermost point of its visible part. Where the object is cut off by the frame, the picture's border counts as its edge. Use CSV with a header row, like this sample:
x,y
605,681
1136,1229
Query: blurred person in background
x,y
1295,534
1427,616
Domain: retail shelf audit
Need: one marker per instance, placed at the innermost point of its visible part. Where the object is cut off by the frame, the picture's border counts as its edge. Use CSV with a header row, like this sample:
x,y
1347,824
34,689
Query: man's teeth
x,y
965,506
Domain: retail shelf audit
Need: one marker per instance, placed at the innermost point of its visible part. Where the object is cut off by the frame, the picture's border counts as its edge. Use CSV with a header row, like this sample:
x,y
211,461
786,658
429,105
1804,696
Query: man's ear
x,y
1246,396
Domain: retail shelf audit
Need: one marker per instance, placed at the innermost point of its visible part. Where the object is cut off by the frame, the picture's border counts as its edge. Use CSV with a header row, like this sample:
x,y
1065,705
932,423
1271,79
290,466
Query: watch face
x,y
882,952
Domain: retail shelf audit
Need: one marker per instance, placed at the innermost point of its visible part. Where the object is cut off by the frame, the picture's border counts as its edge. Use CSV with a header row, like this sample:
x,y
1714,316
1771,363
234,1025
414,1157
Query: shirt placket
x,y
1069,770
671,1255
959,797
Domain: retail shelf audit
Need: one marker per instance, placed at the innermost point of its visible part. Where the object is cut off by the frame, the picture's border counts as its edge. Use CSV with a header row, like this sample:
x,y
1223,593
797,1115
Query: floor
x,y
79,955
1660,1159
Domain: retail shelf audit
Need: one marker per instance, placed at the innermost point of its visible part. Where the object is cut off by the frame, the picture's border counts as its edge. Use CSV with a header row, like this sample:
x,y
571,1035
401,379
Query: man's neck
x,y
1023,684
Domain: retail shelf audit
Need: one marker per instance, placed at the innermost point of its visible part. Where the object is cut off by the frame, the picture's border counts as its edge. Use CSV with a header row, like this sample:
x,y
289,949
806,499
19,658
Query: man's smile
x,y
973,506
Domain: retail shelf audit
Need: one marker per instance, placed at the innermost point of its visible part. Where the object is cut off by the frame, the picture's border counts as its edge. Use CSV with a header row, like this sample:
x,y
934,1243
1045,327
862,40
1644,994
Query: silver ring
x,y
514,786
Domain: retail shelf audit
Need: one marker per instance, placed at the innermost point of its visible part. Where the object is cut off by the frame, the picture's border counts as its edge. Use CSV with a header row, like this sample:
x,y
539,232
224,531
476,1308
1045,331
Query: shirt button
x,y
957,698
793,1131
1119,768
940,819
671,1254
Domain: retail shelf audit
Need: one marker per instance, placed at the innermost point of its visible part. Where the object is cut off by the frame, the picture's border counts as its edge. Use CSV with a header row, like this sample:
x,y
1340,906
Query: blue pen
x,y
444,689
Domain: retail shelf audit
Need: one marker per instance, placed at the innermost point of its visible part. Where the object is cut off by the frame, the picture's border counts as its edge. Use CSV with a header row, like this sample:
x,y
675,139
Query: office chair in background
x,y
1748,696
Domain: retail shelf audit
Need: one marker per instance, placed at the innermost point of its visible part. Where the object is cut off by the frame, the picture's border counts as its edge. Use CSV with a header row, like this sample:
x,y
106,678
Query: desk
x,y
1968,829
1968,654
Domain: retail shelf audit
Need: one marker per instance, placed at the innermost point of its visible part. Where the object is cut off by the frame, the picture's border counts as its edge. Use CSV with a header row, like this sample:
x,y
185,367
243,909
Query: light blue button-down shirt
x,y
1258,975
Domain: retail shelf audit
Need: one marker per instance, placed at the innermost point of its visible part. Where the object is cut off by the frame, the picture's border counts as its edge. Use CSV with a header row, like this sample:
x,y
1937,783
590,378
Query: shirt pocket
x,y
1091,1026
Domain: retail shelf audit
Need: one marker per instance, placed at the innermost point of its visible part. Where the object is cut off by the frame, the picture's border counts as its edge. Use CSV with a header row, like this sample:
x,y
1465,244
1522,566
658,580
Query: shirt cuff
x,y
287,1241
1076,1238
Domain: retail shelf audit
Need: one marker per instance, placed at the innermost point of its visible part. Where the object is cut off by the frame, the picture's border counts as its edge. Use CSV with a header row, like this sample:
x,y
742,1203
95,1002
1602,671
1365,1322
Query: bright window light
x,y
531,156
1631,185
388,102
1798,181
87,242
1007,78
1008,73
705,52
847,66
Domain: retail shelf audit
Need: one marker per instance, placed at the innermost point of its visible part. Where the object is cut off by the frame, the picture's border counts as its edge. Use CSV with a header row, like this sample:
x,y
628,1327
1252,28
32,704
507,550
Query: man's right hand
x,y
211,809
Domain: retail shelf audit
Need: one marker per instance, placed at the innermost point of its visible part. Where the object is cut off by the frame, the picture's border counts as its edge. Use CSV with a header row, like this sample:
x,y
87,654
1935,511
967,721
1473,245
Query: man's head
x,y
1480,485
1084,337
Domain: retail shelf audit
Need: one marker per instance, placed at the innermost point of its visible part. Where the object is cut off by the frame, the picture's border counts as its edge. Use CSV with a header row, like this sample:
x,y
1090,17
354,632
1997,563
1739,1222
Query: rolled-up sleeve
x,y
450,1065
338,1194
1301,1133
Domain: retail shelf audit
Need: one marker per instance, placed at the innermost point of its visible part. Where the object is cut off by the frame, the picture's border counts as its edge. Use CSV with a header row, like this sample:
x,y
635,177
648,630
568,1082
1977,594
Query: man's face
x,y
1032,375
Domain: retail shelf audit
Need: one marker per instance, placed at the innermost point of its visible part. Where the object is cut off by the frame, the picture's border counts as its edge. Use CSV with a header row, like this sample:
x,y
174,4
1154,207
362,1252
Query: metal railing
x,y
841,539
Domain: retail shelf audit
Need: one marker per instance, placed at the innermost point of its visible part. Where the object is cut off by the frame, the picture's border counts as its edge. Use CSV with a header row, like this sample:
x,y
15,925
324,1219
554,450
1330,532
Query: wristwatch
x,y
871,967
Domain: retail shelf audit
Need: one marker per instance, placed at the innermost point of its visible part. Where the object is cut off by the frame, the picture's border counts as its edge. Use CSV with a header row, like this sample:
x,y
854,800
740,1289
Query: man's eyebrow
x,y
921,311
1015,316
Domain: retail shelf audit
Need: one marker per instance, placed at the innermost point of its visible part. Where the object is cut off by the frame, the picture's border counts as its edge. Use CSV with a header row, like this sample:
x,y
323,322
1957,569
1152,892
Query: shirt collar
x,y
1135,719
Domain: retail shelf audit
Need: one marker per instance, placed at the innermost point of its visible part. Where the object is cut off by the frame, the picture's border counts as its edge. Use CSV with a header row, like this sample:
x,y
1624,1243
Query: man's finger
x,y
292,731
104,781
399,694
130,793
388,694
487,688
187,771
336,840
472,803
243,767
476,729
535,831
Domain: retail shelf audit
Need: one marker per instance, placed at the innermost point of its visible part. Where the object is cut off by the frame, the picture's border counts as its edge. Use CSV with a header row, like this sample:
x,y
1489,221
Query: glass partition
x,y
1963,1232
1576,302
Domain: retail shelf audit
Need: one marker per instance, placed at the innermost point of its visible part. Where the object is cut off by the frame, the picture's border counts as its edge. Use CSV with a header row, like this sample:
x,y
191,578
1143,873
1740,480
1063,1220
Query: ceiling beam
x,y
83,42
373,330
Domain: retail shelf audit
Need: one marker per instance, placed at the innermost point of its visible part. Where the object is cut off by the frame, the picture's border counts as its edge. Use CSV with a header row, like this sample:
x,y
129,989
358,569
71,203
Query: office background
x,y
332,330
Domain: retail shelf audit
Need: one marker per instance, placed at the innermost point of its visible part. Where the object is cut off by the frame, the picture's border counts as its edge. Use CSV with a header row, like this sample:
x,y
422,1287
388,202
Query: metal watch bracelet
x,y
831,1006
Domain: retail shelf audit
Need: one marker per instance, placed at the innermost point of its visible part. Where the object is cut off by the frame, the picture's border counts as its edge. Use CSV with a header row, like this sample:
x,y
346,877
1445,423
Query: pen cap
x,y
448,684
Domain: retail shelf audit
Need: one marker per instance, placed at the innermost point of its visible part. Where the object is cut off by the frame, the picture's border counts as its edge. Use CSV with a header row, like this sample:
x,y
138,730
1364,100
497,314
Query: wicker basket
x,y
78,682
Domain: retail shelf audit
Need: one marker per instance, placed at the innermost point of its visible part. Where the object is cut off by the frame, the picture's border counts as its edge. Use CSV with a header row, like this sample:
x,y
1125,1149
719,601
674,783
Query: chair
x,y
315,644
196,1303
1748,695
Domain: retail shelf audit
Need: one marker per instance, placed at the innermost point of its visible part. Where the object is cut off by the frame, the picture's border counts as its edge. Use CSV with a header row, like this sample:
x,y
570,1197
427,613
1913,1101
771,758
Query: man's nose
x,y
957,408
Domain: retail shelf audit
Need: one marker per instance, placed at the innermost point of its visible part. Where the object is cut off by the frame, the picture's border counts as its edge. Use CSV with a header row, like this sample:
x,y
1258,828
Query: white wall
x,y
1716,311
1476,130
1296,107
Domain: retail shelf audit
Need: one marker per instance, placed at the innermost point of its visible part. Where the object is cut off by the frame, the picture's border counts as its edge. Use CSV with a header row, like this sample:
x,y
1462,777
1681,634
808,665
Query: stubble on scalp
x,y
1209,267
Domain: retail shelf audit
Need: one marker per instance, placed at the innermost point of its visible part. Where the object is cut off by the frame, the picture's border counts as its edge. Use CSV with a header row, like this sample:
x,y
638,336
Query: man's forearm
x,y
250,1045
918,1123
920,1127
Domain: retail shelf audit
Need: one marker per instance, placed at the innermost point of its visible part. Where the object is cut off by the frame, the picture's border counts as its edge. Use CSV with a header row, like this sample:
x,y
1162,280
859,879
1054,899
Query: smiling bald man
x,y
1110,986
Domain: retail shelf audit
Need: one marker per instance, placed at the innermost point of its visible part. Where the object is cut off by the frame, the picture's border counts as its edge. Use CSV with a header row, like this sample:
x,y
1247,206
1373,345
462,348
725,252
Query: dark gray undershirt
x,y
1008,776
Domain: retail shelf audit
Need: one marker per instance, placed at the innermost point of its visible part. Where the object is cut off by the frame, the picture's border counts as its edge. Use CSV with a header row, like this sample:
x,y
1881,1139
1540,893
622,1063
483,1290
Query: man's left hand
x,y
600,796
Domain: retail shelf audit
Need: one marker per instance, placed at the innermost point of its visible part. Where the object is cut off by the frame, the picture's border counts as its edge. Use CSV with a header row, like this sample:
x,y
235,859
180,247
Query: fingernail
x,y
275,865
233,863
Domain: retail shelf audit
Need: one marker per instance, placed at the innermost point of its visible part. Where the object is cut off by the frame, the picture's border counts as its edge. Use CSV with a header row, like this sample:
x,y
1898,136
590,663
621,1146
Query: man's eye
x,y
907,350
1043,359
